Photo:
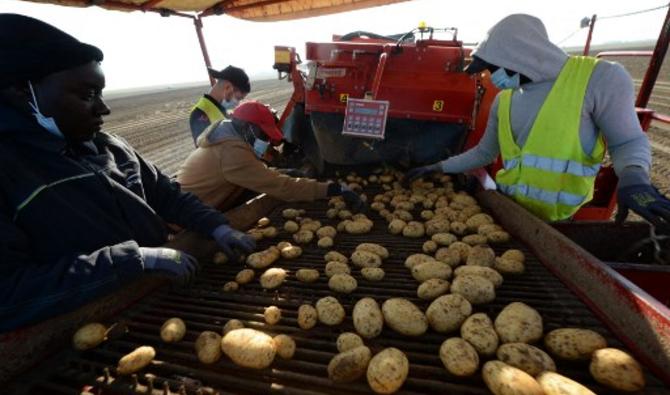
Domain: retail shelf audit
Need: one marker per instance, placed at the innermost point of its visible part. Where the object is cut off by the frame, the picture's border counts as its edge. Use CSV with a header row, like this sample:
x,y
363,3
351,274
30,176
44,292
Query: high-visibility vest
x,y
550,175
210,109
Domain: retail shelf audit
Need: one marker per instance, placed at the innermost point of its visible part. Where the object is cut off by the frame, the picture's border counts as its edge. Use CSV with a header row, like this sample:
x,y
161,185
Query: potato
x,y
404,317
437,225
303,236
326,231
387,371
220,258
333,268
173,330
432,288
363,259
368,318
481,256
231,286
462,248
347,341
272,315
358,227
231,325
416,259
528,358
429,247
344,214
403,215
503,379
374,248
555,384
310,225
136,360
481,271
515,255
478,330
459,357
519,323
335,256
325,242
396,226
283,244
407,206
291,226
263,222
574,343
433,269
373,273
290,213
451,257
488,228
342,283
617,369
443,239
307,316
208,347
349,365
291,252
477,220
244,276
414,229
377,206
263,259
332,213
474,240
446,313
285,346
427,215
307,275
330,311
458,228
477,290
89,336
273,278
498,237
270,232
249,348
509,266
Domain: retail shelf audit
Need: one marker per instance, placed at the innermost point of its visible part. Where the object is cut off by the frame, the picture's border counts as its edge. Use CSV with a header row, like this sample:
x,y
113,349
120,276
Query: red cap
x,y
259,114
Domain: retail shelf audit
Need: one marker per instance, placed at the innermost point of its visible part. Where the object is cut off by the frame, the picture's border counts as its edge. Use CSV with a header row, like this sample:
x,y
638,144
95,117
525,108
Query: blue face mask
x,y
260,147
501,80
47,123
230,105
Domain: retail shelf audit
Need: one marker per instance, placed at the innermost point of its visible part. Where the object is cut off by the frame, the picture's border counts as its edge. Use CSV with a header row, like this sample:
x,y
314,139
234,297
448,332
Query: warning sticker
x,y
344,97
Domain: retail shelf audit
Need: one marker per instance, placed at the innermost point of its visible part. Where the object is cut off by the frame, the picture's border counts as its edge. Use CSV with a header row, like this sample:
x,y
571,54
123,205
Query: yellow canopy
x,y
254,10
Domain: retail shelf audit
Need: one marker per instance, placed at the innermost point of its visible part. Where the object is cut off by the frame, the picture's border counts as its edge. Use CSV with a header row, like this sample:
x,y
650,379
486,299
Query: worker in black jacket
x,y
81,213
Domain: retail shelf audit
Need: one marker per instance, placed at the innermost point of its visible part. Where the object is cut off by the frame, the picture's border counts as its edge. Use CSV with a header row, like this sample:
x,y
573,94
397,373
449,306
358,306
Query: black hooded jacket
x,y
72,218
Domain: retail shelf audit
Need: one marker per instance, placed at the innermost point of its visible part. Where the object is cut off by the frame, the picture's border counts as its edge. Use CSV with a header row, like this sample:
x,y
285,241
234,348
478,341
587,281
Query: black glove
x,y
231,241
419,172
646,201
352,200
171,262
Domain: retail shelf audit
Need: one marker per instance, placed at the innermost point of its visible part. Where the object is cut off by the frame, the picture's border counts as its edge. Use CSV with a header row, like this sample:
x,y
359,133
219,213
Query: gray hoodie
x,y
520,43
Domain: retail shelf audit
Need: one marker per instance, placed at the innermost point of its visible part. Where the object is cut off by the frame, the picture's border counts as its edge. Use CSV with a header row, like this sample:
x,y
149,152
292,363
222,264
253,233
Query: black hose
x,y
360,33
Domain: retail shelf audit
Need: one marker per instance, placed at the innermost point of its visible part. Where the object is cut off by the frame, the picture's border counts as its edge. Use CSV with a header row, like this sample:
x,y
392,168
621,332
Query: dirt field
x,y
157,124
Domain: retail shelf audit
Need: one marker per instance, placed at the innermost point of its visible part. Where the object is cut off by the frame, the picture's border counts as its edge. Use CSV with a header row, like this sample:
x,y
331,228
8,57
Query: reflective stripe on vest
x,y
210,109
551,175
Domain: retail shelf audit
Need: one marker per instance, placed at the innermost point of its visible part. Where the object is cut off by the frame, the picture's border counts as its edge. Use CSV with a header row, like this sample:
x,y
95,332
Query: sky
x,y
145,49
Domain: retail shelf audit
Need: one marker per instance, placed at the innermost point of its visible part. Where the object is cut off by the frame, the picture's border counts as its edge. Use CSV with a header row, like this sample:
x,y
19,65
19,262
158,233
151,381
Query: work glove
x,y
233,241
171,262
353,201
646,201
419,172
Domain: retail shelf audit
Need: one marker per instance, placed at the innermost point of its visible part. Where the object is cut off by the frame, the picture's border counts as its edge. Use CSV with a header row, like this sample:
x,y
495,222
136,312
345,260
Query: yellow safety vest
x,y
550,175
210,109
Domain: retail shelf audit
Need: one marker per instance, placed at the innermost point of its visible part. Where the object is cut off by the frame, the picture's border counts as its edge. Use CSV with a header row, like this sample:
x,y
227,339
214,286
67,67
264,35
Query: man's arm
x,y
32,291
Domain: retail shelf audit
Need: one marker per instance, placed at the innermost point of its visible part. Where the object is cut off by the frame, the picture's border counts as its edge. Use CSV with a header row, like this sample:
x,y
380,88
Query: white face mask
x,y
47,123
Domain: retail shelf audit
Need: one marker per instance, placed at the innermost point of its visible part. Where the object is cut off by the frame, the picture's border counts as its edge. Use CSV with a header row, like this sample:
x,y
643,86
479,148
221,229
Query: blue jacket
x,y
72,218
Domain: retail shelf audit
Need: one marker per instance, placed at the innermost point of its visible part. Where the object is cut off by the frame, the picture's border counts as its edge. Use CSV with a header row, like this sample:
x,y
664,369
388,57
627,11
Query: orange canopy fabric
x,y
253,10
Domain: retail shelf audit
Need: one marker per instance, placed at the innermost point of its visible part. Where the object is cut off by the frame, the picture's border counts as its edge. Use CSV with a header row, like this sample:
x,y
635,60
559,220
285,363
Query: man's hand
x,y
171,262
419,172
646,201
231,241
352,200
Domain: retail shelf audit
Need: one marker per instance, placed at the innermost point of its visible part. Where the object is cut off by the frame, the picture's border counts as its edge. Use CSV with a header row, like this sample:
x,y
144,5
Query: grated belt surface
x,y
205,306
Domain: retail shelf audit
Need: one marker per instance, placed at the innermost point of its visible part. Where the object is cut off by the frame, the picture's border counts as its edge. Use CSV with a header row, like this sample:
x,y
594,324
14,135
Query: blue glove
x,y
647,202
419,172
231,241
352,200
171,262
